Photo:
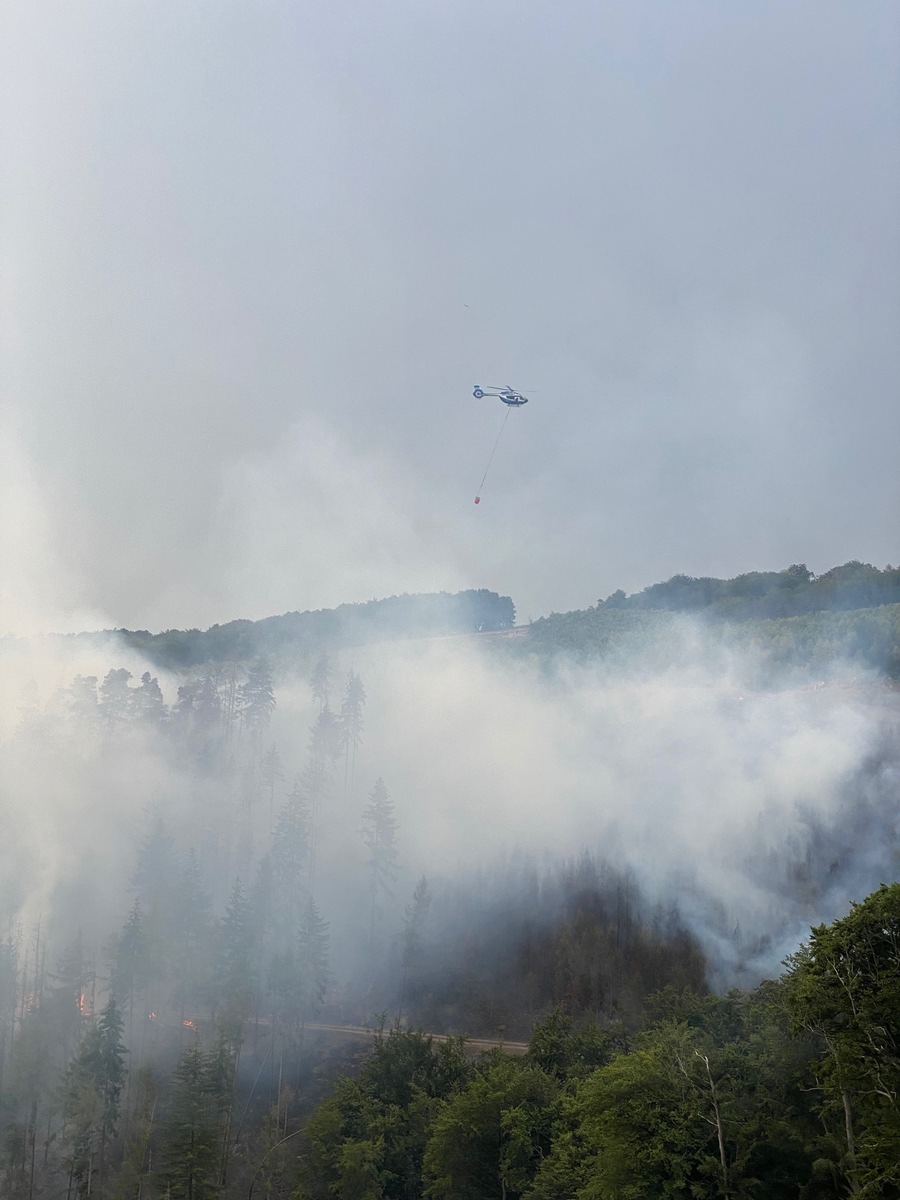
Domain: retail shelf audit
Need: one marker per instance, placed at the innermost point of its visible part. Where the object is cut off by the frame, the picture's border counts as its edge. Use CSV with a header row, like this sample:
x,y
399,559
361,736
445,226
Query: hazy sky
x,y
255,255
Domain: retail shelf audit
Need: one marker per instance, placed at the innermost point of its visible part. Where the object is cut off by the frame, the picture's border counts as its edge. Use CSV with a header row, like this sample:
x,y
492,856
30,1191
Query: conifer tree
x,y
257,699
29,1087
299,975
156,872
261,922
9,986
134,1177
70,997
190,1149
271,773
199,715
416,913
115,705
235,957
290,859
148,703
316,778
312,954
93,1088
320,682
130,963
80,700
351,727
158,882
221,1068
256,705
380,836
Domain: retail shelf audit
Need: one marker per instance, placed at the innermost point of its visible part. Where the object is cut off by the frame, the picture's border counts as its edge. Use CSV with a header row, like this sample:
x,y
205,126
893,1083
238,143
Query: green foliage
x,y
350,725
711,1100
131,958
738,1096
641,1123
148,704
120,704
256,699
92,1091
320,682
844,987
234,960
791,592
788,620
789,1091
655,641
368,1138
352,706
303,637
406,1062
379,834
192,1140
564,1050
416,916
312,956
134,1177
299,975
490,1137
290,860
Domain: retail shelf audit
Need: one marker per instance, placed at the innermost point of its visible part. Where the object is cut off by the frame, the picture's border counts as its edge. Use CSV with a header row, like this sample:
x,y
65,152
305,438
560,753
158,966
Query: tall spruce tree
x,y
416,914
115,704
379,834
130,964
351,727
235,957
93,1089
271,774
290,859
315,780
321,681
147,702
9,987
299,975
257,699
312,956
192,1130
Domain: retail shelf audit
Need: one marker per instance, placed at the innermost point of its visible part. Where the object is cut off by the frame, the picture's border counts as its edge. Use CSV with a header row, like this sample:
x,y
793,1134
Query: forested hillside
x,y
789,593
598,838
791,1089
296,639
788,620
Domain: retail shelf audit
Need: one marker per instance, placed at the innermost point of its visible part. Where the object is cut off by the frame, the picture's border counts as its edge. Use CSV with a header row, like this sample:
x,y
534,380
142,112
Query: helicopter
x,y
507,394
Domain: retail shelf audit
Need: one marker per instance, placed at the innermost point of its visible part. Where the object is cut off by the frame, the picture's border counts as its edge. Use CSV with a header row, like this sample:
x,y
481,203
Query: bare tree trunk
x,y
46,1158
33,1136
720,1132
852,1177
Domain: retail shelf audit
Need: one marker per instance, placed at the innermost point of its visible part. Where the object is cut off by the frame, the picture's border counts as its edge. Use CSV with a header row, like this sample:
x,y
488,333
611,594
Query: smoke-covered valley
x,y
226,874
746,813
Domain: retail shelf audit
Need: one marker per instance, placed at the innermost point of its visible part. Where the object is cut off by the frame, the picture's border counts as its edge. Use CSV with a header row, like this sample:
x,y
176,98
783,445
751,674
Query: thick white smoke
x,y
755,812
